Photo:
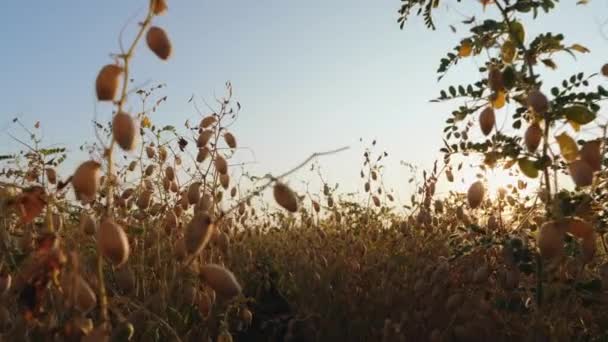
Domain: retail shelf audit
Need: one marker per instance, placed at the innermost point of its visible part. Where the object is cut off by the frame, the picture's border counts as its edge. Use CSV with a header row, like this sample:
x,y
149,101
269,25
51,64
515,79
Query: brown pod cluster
x,y
221,280
487,120
475,194
285,197
124,130
86,181
533,137
538,101
159,42
112,242
107,82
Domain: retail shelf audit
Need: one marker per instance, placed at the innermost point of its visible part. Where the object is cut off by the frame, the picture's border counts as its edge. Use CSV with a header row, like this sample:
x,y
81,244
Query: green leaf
x,y
579,114
527,167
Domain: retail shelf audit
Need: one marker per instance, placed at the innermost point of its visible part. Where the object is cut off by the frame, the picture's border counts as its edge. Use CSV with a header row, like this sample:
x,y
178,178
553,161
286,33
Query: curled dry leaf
x,y
107,82
159,42
285,197
86,181
221,280
124,130
112,242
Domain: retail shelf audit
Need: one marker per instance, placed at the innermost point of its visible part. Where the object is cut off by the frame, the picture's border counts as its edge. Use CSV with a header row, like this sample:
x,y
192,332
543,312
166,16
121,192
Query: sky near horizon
x,y
311,75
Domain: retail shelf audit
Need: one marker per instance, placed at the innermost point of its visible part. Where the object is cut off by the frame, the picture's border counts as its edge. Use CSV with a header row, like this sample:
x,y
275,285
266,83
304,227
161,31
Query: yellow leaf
x,y
466,47
567,146
579,48
145,122
498,99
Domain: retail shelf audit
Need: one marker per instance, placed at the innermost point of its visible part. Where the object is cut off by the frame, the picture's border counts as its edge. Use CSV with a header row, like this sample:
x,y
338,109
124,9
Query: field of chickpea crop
x,y
156,238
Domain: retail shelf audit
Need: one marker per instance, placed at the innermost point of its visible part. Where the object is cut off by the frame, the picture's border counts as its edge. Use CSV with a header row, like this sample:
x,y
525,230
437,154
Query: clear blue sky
x,y
311,75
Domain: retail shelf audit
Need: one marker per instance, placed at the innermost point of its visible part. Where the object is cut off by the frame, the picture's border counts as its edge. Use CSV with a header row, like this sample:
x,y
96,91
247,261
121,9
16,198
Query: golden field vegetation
x,y
156,238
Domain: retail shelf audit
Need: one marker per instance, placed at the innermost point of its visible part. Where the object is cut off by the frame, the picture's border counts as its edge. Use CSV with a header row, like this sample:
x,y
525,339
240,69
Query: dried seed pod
x,y
150,170
5,283
194,192
233,192
170,220
220,280
551,240
225,181
577,227
495,80
246,316
51,175
208,121
144,200
538,101
481,274
150,152
159,7
87,224
475,194
203,153
376,201
204,137
162,154
230,140
86,181
159,42
316,206
112,242
125,279
107,82
204,305
124,130
533,136
220,164
487,119
174,187
591,154
169,173
205,203
132,165
285,197
605,70
581,173
588,248
85,299
198,232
